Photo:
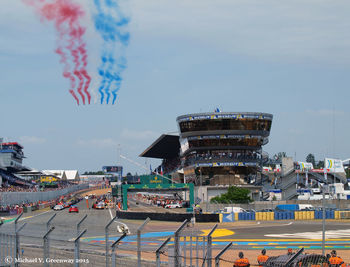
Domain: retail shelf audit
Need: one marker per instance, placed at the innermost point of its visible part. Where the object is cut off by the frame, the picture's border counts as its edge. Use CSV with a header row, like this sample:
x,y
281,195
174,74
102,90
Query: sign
x,y
156,186
226,116
154,179
304,166
113,169
230,217
334,165
223,164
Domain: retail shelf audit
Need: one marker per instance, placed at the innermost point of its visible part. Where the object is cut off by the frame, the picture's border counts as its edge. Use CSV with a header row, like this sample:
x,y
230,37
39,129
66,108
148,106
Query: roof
x,y
63,174
58,173
12,144
71,174
165,147
224,115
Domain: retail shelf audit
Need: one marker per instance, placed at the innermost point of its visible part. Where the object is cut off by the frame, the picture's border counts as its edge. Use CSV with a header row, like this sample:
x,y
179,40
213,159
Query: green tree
x,y
347,171
319,164
94,173
311,159
234,195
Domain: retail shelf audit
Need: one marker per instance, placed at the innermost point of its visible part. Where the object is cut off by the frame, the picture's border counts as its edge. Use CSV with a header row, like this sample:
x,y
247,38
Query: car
x,y
66,205
98,206
58,207
73,209
266,210
172,206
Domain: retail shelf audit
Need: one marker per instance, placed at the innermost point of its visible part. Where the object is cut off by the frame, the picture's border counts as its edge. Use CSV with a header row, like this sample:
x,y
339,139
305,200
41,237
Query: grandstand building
x,y
223,148
11,158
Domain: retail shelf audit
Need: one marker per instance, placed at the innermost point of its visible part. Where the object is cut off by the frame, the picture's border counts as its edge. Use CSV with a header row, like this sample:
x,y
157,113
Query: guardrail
x,y
283,215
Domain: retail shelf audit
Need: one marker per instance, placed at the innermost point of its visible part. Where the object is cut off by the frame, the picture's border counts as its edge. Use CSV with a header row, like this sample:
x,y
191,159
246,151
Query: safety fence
x,y
284,215
185,245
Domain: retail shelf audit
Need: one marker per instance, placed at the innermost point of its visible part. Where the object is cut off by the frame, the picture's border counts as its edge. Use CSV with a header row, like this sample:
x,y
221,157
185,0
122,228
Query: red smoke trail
x,y
84,72
74,95
66,15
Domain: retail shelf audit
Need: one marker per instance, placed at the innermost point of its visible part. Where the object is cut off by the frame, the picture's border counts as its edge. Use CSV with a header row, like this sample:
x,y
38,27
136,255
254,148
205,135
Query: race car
x,y
73,209
172,206
98,206
66,204
58,207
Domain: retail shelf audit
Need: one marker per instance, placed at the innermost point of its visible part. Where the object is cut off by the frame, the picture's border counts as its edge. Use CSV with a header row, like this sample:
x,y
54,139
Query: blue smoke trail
x,y
110,23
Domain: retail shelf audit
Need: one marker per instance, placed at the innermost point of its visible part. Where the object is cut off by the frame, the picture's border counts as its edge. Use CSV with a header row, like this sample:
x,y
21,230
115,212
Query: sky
x,y
287,58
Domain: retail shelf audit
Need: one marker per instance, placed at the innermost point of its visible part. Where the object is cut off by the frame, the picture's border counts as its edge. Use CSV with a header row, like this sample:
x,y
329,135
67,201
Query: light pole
x,y
324,213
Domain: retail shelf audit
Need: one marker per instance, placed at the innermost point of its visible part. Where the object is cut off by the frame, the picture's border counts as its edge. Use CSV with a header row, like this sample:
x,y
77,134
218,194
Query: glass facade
x,y
225,124
223,148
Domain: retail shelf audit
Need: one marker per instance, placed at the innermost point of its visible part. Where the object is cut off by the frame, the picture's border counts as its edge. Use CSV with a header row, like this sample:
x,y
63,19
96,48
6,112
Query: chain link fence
x,y
54,244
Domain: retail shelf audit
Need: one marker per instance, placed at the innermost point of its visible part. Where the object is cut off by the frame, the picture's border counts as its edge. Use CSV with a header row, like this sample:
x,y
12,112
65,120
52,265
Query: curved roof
x,y
224,115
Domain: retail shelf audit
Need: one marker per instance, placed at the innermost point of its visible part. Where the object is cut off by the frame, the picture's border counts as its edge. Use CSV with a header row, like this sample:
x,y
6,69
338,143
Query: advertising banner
x,y
113,169
334,165
303,166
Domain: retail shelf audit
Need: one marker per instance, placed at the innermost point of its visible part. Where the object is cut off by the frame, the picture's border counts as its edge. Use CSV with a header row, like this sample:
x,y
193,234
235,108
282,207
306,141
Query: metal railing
x,y
187,245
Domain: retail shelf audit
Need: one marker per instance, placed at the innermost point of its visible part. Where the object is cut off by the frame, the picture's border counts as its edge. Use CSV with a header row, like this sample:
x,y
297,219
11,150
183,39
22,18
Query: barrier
x,y
227,217
344,214
174,217
337,215
14,198
285,215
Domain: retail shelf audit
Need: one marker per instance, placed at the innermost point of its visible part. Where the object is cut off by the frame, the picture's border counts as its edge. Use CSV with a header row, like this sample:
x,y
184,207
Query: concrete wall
x,y
13,198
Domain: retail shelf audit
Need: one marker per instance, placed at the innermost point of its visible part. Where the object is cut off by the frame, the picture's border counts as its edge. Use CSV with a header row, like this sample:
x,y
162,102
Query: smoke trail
x,y
70,46
110,23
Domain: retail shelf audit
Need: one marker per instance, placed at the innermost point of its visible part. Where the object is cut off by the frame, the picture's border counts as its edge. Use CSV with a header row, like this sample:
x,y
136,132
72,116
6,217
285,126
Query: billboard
x,y
113,169
303,166
334,165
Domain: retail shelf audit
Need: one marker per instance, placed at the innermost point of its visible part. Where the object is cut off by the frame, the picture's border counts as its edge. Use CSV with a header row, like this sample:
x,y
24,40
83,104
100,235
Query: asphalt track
x,y
246,235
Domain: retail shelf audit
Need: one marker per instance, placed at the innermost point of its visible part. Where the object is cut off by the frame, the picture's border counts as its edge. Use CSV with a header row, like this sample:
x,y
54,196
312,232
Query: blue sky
x,y
288,58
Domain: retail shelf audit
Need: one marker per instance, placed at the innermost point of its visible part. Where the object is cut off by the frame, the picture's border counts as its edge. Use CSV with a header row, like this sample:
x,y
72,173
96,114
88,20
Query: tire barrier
x,y
329,214
246,216
344,214
285,215
264,216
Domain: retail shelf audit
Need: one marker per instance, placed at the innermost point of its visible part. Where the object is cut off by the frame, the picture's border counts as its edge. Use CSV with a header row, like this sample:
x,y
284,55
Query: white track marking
x,y
32,216
331,234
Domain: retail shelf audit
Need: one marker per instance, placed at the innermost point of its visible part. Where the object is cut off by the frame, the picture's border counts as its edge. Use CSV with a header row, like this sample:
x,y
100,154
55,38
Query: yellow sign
x,y
155,181
48,179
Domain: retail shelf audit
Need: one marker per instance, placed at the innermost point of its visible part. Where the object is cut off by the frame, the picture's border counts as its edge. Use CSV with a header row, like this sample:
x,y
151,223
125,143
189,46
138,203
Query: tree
x,y
319,165
311,159
347,171
94,173
234,195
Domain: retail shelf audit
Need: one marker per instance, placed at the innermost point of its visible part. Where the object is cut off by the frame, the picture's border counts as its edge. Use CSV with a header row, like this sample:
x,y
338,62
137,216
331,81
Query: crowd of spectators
x,y
218,155
170,165
158,200
34,188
